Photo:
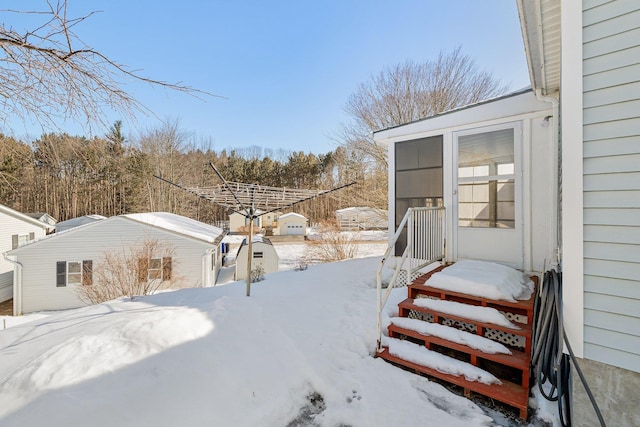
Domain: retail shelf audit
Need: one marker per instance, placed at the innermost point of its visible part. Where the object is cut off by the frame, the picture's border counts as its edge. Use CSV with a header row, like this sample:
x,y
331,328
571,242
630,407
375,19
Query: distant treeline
x,y
70,176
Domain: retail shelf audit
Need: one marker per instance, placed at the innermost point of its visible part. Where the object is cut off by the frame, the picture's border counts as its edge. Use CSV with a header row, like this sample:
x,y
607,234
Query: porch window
x,y
418,178
486,180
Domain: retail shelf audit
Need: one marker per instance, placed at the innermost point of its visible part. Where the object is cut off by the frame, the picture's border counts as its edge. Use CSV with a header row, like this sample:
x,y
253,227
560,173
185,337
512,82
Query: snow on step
x,y
415,353
483,279
448,333
471,312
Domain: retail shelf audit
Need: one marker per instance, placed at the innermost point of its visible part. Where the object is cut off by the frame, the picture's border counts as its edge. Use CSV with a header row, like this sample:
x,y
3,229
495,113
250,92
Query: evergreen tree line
x,y
70,176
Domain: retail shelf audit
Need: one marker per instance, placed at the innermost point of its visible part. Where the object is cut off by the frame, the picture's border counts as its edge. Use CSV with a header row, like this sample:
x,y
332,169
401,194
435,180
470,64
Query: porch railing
x,y
425,245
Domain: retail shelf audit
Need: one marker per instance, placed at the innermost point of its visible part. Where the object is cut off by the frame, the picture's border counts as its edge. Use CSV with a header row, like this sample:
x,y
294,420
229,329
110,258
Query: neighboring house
x,y
44,217
264,256
77,222
292,224
270,220
49,270
239,223
551,177
16,229
362,218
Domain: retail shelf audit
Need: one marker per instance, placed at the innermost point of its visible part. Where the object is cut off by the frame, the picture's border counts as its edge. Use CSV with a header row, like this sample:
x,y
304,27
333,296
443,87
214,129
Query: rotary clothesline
x,y
263,199
252,201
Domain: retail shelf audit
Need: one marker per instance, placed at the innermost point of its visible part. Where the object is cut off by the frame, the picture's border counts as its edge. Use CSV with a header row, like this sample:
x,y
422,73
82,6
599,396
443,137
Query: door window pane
x,y
486,180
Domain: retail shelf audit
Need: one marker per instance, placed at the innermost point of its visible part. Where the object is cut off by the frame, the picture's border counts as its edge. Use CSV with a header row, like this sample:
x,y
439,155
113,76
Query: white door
x,y
487,194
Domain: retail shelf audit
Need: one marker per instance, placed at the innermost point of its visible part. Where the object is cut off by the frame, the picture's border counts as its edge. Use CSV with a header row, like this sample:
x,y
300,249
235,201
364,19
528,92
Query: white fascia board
x,y
482,114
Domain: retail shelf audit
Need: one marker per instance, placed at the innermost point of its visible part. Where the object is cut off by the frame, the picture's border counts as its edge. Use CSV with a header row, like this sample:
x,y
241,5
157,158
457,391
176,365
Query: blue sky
x,y
286,68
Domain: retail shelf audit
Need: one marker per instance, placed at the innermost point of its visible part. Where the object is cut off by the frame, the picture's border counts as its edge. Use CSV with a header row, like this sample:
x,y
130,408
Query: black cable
x,y
548,360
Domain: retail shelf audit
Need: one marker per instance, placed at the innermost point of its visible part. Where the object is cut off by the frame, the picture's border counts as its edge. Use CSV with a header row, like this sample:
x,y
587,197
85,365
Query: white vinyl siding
x,y
13,223
39,260
611,131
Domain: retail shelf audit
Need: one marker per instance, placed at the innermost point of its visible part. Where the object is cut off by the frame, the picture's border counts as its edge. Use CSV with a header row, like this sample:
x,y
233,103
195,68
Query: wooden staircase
x,y
513,371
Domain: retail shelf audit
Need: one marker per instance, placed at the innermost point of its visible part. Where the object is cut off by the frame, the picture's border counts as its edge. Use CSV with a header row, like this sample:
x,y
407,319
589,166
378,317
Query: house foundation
x,y
615,390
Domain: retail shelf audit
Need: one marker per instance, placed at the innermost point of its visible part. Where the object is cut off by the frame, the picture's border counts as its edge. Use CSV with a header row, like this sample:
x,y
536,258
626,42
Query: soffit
x,y
540,24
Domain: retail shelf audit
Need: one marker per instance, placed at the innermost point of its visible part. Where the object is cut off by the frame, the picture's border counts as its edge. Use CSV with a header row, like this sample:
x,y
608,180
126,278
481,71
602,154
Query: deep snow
x,y
298,352
215,357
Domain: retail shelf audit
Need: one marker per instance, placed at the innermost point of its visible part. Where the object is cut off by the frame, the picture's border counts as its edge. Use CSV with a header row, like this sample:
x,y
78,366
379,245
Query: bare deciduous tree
x,y
405,93
48,72
332,245
134,270
412,91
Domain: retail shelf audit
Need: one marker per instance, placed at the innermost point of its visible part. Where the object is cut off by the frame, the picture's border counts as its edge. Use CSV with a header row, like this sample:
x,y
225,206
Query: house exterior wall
x,y
539,175
39,290
271,219
11,223
237,223
611,181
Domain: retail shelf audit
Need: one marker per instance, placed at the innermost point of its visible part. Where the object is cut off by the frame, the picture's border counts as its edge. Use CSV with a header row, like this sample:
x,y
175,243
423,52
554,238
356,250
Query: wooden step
x,y
516,359
512,369
421,289
419,286
508,393
408,305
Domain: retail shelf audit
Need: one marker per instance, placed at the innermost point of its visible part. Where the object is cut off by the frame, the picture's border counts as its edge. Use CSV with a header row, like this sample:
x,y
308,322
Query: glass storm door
x,y
487,196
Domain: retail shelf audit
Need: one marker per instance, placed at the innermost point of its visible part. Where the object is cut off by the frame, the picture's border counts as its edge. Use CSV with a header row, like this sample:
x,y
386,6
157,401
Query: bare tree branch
x,y
406,93
48,73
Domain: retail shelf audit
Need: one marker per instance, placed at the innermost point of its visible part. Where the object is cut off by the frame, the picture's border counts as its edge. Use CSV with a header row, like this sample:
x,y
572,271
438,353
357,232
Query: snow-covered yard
x,y
300,348
298,352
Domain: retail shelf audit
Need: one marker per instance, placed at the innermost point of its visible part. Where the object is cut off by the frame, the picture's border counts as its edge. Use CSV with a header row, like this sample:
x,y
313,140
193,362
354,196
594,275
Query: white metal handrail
x,y
425,244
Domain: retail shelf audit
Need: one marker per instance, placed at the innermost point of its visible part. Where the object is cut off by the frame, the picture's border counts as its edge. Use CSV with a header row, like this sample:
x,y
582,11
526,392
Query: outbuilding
x,y
264,256
361,218
292,224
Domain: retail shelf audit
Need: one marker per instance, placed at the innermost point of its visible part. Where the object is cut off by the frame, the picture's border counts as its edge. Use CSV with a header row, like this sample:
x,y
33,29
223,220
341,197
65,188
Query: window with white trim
x,y
73,273
154,269
20,239
486,180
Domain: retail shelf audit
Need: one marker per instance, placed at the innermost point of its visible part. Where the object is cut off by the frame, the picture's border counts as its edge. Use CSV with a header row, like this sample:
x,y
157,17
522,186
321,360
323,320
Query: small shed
x,y
264,256
292,224
362,218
